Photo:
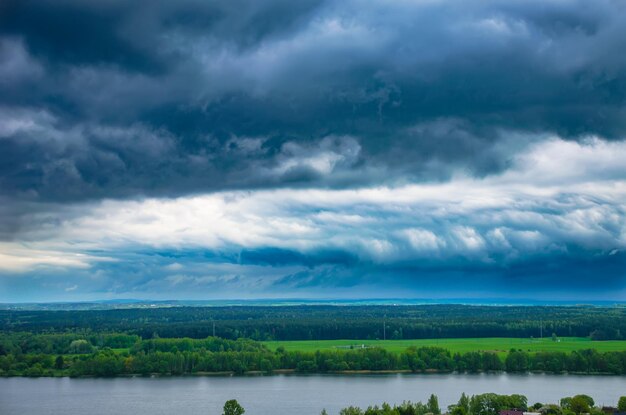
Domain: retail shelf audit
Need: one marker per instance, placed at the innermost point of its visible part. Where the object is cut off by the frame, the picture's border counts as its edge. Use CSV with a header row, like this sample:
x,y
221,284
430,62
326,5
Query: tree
x,y
551,409
588,399
621,405
517,361
232,407
464,402
458,410
351,410
433,405
80,346
579,404
59,363
565,403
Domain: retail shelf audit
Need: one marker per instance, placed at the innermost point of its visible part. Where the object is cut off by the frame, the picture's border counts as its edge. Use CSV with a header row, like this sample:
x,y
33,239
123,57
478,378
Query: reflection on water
x,y
280,395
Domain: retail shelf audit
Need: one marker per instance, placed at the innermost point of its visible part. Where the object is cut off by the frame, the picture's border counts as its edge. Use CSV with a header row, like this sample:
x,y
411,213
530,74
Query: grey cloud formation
x,y
553,224
305,133
123,99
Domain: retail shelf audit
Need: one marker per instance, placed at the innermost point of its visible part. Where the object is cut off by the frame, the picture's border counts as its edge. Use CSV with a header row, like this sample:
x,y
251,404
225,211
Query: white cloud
x,y
71,288
541,203
468,237
423,239
17,258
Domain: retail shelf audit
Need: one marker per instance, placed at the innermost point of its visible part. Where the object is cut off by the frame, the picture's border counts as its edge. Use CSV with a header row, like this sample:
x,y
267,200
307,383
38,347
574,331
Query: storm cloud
x,y
292,145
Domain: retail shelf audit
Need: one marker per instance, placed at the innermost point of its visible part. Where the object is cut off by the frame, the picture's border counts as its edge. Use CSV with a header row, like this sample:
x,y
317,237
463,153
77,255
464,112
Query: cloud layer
x,y
556,220
312,148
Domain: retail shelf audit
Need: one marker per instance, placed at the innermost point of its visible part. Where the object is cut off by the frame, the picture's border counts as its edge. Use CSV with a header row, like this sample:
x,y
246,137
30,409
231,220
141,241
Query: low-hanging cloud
x,y
312,143
524,219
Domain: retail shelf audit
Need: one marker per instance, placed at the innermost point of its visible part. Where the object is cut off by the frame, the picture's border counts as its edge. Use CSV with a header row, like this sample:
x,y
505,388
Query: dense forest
x,y
179,340
322,322
125,354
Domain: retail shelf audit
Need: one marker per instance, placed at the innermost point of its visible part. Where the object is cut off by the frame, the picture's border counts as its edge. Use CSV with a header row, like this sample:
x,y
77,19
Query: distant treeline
x,y
320,322
121,354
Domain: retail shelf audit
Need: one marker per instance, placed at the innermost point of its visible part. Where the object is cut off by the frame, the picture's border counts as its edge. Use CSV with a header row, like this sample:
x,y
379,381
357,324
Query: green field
x,y
500,345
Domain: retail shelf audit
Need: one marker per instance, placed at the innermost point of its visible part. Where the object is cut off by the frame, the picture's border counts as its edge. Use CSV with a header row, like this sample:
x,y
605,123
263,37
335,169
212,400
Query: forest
x,y
26,354
201,340
325,322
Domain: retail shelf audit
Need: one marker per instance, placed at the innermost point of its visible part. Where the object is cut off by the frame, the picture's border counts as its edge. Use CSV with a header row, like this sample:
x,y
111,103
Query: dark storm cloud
x,y
119,98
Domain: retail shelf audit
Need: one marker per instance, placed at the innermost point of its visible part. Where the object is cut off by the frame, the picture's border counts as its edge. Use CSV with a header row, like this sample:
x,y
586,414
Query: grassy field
x,y
500,345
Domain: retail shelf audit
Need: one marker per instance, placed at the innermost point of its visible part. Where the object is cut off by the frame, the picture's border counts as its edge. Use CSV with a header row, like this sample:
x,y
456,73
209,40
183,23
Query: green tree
x,y
464,402
232,407
565,403
551,410
80,346
351,410
621,405
588,399
59,362
517,361
580,404
433,405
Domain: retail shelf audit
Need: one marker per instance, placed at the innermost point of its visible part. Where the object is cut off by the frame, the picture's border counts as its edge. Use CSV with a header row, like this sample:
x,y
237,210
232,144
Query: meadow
x,y
501,345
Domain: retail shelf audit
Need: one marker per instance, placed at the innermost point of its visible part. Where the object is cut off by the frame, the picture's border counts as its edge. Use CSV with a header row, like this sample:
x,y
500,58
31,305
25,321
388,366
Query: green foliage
x,y
565,402
485,404
621,404
351,410
80,346
551,410
491,403
186,355
83,343
433,405
517,361
458,410
580,404
59,363
324,322
464,403
232,407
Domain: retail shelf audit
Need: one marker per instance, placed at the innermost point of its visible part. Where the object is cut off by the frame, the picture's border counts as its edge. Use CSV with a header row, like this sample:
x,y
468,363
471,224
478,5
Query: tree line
x,y
489,404
27,354
483,404
322,322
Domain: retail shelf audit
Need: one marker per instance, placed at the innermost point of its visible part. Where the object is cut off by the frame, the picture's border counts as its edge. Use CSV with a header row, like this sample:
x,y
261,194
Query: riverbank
x,y
294,372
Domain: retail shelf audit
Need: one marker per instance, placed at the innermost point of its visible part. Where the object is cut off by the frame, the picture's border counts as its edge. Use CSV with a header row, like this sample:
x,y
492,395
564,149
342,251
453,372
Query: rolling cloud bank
x,y
324,149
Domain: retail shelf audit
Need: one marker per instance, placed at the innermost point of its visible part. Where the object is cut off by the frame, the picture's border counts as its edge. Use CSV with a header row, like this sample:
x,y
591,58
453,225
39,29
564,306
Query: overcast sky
x,y
312,149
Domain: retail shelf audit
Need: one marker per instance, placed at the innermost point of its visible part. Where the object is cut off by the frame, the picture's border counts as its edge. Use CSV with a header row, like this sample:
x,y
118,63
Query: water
x,y
280,395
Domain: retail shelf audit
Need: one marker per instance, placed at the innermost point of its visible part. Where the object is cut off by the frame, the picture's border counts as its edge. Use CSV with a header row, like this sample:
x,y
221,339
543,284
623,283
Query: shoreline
x,y
293,372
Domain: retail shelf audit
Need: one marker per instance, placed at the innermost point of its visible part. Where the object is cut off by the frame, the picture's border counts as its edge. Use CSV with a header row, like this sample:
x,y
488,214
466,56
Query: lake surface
x,y
280,394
